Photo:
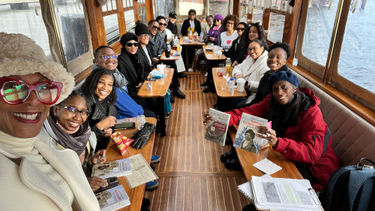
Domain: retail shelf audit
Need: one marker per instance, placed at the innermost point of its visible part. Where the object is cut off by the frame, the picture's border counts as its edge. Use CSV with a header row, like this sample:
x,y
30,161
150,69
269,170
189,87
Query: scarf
x,y
76,142
284,116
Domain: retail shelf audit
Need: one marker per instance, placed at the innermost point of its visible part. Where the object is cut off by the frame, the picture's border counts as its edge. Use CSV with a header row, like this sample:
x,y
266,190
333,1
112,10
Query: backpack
x,y
350,188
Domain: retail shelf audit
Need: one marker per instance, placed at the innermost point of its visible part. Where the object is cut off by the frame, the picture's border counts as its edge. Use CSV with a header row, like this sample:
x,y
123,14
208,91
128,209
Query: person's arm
x,y
260,109
184,28
308,147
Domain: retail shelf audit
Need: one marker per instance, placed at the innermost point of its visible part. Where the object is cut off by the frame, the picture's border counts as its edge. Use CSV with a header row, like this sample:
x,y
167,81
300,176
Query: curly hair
x,y
283,46
230,18
89,86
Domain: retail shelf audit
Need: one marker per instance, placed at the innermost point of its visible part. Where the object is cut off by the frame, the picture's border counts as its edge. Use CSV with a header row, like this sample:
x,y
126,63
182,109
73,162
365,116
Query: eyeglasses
x,y
191,14
75,111
230,23
16,91
109,56
162,24
155,27
240,29
130,44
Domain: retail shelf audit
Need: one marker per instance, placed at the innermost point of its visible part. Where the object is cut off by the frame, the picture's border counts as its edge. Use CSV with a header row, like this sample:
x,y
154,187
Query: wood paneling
x,y
191,175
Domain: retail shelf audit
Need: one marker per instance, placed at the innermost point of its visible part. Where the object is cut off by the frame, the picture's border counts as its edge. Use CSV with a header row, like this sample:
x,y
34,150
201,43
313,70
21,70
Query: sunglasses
x,y
241,29
109,57
75,111
162,24
191,14
155,27
16,91
130,44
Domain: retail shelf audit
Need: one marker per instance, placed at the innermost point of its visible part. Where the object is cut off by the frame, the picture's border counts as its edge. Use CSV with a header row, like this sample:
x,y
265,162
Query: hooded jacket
x,y
304,142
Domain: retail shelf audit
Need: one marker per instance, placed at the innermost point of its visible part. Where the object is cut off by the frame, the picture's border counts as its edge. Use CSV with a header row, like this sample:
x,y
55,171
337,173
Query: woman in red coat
x,y
298,129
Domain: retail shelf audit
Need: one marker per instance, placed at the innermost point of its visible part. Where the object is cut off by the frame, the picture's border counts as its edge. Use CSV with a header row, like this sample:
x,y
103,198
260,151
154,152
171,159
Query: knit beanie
x,y
283,76
218,17
20,55
173,15
140,29
127,37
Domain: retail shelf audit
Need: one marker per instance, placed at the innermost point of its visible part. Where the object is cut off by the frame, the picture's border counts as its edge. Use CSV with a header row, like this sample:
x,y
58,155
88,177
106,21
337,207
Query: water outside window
x,y
112,31
129,20
25,18
276,27
356,62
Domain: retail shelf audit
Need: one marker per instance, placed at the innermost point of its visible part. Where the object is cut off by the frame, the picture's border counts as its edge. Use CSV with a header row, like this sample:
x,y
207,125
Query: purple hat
x,y
218,17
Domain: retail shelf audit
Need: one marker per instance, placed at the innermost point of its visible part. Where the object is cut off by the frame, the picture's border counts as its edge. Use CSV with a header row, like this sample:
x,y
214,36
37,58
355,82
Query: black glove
x,y
142,136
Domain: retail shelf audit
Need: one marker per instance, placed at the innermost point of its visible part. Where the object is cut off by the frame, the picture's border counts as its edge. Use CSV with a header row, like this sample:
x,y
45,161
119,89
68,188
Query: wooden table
x,y
136,194
158,91
221,86
171,58
210,55
247,159
190,42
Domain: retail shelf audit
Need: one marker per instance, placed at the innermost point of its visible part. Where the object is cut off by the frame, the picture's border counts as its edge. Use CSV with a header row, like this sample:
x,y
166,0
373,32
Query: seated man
x,y
126,107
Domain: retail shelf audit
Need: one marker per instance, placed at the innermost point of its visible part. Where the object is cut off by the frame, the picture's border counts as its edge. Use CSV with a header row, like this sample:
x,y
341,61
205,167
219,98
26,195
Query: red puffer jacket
x,y
303,143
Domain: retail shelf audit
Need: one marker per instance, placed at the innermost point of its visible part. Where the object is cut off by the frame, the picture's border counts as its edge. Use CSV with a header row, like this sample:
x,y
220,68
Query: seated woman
x,y
101,97
35,175
215,30
68,127
237,52
252,68
298,129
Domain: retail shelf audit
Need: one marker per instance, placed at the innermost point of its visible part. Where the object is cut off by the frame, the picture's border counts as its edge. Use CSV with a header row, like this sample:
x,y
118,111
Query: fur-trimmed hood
x,y
20,55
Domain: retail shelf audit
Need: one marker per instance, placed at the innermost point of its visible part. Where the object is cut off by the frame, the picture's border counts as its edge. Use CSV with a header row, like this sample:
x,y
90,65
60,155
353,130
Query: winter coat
x,y
186,25
304,142
214,33
238,50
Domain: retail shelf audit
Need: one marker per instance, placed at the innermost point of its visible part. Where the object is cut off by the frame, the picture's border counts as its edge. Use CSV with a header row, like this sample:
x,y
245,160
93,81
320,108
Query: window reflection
x,y
25,18
358,46
142,15
185,6
72,27
219,7
276,27
111,28
318,31
129,20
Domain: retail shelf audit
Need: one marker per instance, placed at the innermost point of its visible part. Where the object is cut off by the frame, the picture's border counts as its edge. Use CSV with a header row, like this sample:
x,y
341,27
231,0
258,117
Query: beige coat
x,y
25,188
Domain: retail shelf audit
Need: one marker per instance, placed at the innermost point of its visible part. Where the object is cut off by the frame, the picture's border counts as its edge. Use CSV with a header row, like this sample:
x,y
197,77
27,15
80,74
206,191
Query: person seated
x,y
209,23
237,52
215,31
172,23
298,130
68,127
252,68
35,174
101,97
105,57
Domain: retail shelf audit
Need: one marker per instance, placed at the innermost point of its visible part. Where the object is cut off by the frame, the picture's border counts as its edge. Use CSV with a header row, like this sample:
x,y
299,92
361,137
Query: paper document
x,y
141,171
267,166
245,189
284,194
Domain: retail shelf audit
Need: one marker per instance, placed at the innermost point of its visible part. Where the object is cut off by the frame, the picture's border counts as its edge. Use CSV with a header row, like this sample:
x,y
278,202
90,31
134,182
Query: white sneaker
x,y
190,70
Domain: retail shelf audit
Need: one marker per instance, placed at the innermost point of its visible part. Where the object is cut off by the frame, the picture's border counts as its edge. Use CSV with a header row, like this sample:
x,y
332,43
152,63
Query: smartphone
x,y
125,125
112,182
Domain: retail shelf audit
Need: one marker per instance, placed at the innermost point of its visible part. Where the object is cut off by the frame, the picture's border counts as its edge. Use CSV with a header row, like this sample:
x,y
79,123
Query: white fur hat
x,y
20,55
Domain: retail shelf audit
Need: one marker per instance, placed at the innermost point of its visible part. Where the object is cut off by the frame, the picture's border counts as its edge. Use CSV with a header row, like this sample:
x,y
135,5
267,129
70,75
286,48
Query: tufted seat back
x,y
353,137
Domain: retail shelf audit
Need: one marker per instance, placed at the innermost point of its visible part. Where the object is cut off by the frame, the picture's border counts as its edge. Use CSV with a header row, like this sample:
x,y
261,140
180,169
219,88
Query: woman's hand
x,y
99,157
155,60
212,39
108,132
206,118
96,183
107,122
139,86
269,134
235,63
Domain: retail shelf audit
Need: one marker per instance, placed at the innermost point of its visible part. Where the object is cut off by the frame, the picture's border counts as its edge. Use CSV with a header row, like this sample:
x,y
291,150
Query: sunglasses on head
x,y
162,24
15,91
130,44
75,111
241,29
108,56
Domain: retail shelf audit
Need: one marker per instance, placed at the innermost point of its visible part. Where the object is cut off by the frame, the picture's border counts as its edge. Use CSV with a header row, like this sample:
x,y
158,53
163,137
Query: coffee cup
x,y
241,84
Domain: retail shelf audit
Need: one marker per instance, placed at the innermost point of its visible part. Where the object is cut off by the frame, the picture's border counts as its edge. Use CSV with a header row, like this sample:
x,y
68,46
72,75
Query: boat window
x,y
276,27
109,6
111,28
129,20
222,7
72,28
356,63
142,11
25,18
318,30
184,7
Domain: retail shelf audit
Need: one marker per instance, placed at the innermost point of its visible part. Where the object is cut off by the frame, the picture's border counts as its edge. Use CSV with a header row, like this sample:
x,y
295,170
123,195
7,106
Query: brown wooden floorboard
x,y
191,175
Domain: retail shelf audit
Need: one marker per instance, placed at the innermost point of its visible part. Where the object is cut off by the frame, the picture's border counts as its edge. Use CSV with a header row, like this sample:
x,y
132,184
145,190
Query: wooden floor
x,y
191,175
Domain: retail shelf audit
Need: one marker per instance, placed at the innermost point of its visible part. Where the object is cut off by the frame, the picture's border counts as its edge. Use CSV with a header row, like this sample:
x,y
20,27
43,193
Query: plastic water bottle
x,y
231,85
